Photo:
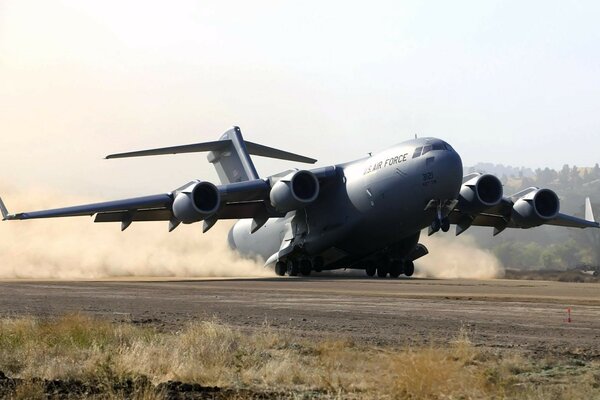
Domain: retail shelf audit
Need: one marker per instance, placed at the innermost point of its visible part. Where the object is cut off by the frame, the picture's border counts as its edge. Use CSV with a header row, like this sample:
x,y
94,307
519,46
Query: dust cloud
x,y
457,257
77,248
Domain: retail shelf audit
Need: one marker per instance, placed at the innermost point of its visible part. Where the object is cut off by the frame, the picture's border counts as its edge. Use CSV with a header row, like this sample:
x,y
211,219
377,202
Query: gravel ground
x,y
525,315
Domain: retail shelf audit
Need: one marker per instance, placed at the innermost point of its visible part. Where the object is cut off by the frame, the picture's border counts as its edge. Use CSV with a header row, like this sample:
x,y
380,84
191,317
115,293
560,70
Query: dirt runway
x,y
525,315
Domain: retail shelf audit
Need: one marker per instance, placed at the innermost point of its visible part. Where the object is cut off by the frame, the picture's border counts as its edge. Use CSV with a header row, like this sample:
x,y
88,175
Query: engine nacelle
x,y
535,208
196,202
294,191
480,193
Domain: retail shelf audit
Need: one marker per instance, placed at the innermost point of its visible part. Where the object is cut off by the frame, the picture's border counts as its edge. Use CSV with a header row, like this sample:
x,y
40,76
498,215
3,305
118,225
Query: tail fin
x,y
230,155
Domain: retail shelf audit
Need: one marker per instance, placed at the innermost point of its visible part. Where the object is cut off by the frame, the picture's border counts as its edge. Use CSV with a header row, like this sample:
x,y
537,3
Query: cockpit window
x,y
417,152
438,146
427,149
448,147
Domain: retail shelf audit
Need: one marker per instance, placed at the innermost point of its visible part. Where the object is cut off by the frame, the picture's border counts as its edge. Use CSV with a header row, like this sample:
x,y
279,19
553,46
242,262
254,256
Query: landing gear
x,y
305,267
445,224
295,266
442,209
292,268
382,271
409,268
371,270
280,268
435,226
318,263
396,268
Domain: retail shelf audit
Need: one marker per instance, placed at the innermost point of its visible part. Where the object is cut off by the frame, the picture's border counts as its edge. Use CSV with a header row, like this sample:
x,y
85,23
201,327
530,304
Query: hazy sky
x,y
512,82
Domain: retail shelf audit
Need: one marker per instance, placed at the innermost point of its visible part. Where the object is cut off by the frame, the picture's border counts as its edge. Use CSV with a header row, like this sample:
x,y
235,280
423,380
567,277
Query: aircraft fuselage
x,y
378,202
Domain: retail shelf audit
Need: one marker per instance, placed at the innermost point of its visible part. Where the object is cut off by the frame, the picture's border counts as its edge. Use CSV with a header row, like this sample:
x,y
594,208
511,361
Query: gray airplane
x,y
366,214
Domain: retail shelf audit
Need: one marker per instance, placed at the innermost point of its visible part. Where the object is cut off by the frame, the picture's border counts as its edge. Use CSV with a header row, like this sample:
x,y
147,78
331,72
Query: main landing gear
x,y
394,269
299,266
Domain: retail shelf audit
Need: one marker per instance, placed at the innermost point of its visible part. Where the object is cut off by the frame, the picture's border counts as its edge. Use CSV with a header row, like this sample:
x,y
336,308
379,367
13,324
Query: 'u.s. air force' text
x,y
387,163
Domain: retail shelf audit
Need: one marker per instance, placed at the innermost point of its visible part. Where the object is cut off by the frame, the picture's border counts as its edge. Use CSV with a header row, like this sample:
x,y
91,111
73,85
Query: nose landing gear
x,y
441,221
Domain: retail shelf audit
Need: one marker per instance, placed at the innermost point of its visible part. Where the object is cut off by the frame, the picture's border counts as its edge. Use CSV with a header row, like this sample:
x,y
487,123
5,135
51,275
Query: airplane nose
x,y
450,168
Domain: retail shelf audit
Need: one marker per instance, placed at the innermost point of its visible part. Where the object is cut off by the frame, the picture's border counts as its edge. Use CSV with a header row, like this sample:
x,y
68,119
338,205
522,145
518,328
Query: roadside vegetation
x,y
81,357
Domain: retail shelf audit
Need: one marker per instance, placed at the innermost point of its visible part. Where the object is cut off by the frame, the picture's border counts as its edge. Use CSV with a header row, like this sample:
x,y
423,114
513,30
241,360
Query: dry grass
x,y
212,354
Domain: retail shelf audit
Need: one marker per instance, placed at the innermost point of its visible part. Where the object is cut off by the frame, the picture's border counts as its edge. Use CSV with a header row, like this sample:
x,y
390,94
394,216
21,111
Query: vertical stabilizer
x,y
233,163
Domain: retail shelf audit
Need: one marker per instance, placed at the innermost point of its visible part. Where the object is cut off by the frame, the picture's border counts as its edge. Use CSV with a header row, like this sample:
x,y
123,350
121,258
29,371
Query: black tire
x,y
436,225
396,269
409,268
292,268
382,272
370,270
305,267
318,264
280,268
445,225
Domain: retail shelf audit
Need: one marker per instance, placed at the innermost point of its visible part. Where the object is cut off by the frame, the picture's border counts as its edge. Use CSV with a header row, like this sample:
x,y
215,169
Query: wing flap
x,y
135,216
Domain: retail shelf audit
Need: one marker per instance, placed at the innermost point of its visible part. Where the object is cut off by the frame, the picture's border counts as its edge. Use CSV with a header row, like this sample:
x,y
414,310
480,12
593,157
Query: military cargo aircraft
x,y
366,214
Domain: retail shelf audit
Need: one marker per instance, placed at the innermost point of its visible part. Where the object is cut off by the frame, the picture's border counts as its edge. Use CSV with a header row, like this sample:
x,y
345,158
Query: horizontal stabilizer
x,y
264,151
186,148
219,145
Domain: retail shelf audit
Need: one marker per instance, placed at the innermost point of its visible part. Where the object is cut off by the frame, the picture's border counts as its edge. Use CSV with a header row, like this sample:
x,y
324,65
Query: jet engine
x,y
535,208
196,202
294,191
480,193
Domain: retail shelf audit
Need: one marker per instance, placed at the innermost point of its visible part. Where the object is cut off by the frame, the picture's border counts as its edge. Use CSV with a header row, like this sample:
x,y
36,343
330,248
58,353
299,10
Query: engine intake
x,y
480,193
535,208
196,202
295,191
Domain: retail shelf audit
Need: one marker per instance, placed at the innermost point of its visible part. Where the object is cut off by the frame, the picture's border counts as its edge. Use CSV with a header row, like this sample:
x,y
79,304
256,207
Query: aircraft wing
x,y
247,199
501,216
145,203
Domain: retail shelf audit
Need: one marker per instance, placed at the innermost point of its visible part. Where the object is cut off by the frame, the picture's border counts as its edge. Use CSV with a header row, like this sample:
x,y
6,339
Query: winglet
x,y
589,214
5,214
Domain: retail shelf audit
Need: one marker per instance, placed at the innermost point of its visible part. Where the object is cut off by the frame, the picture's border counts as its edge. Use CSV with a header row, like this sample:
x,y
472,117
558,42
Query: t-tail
x,y
230,155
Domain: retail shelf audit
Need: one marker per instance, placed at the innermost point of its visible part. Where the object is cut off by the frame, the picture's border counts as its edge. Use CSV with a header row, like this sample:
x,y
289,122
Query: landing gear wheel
x,y
371,270
409,268
305,267
382,272
436,225
292,268
395,269
318,264
445,225
280,268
